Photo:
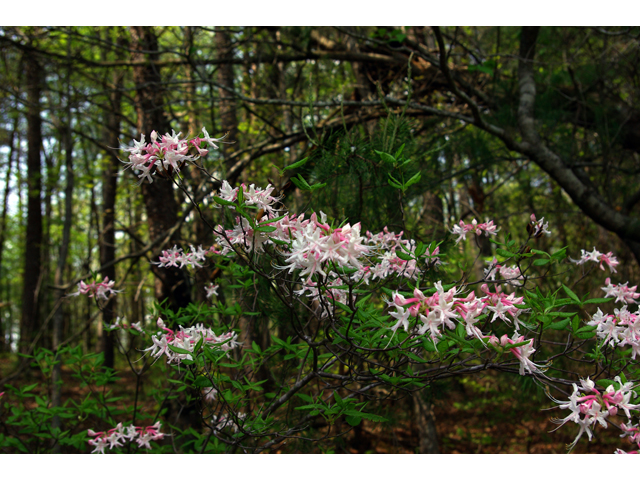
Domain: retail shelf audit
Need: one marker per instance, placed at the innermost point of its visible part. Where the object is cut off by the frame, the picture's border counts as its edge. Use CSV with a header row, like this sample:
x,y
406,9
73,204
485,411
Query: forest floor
x,y
488,415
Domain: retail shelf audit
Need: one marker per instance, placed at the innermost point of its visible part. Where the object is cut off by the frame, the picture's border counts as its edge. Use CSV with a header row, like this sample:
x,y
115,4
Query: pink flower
x,y
115,437
212,290
462,229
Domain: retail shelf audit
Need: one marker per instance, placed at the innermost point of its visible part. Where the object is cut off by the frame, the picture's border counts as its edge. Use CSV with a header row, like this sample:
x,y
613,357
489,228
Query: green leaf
x,y
598,300
221,201
297,164
198,345
202,382
403,256
266,229
394,183
386,157
586,332
353,421
429,345
272,220
342,306
367,416
415,357
412,180
575,323
540,262
504,253
561,325
300,182
572,295
179,350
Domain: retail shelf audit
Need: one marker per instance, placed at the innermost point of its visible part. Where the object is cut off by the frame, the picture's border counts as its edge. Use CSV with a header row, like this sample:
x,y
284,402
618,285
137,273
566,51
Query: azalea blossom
x,y
463,228
590,406
621,292
114,437
187,339
596,256
103,290
165,154
212,290
537,228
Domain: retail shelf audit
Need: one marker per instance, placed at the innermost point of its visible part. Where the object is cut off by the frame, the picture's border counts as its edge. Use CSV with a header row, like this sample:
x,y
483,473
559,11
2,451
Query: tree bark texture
x,y
228,103
109,191
159,198
425,422
33,245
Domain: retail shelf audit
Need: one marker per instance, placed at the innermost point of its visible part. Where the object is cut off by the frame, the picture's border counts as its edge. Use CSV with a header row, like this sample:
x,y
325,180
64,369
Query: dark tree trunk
x,y
33,245
3,225
201,232
109,186
159,198
228,117
425,422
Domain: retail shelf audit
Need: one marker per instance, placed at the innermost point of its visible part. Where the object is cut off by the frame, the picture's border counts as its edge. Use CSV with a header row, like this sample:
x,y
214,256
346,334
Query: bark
x,y
109,190
425,422
32,267
202,234
58,319
171,284
3,225
228,103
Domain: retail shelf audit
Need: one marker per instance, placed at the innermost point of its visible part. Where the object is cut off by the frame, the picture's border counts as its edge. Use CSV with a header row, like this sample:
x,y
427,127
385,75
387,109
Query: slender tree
x,y
33,244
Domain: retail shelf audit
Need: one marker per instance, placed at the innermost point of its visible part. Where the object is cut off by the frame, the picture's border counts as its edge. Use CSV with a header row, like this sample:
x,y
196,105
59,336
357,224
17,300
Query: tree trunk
x,y
3,225
109,186
33,245
171,284
228,117
425,422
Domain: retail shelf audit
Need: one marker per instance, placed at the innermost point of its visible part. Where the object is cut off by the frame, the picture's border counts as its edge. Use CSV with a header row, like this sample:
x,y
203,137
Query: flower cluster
x,y
633,432
588,405
621,292
260,197
522,352
387,245
620,328
463,228
315,244
114,437
537,228
123,323
176,257
443,306
185,340
103,290
512,275
165,155
223,421
601,258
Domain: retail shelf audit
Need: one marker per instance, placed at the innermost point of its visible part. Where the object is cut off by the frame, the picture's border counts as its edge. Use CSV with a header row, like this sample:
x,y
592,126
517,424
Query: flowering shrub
x,y
368,307
364,319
